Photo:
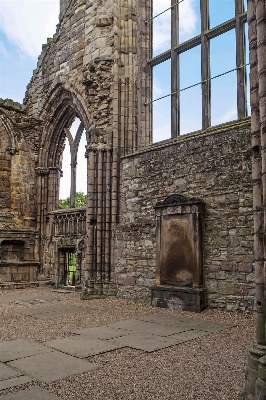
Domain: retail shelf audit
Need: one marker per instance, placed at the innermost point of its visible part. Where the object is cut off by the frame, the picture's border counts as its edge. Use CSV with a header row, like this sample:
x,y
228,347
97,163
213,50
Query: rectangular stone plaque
x,y
179,253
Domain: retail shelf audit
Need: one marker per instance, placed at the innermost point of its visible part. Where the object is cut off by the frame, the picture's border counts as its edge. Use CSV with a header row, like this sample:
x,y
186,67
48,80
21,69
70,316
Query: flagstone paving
x,y
23,361
54,311
35,393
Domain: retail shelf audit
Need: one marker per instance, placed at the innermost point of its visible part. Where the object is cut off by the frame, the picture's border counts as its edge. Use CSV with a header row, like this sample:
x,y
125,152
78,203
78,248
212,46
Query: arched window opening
x,y
200,65
73,187
81,172
64,192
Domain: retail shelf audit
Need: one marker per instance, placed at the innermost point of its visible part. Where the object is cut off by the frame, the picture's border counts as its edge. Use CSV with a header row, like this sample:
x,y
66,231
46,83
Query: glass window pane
x,y
224,88
82,165
248,71
221,11
191,110
161,27
224,99
190,99
162,108
66,168
189,20
245,5
223,53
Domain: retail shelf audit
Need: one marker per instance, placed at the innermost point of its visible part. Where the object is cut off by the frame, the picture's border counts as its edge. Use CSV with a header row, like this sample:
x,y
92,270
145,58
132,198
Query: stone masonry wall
x,y
79,58
19,238
20,136
214,166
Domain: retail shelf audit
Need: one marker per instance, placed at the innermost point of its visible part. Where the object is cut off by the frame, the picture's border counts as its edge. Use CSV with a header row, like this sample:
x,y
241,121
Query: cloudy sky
x,y
24,27
26,24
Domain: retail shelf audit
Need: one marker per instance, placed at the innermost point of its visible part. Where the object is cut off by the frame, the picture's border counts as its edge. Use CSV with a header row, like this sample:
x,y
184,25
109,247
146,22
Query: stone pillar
x,y
101,213
255,385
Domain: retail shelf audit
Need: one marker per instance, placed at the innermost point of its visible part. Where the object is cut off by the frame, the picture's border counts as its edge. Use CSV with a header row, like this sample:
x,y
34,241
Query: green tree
x,y
81,200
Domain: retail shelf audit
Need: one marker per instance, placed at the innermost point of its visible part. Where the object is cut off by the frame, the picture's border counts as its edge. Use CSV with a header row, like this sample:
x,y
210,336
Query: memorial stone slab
x,y
179,272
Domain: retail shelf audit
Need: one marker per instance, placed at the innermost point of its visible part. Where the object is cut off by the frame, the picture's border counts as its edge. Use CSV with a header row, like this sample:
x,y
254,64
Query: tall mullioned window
x,y
200,65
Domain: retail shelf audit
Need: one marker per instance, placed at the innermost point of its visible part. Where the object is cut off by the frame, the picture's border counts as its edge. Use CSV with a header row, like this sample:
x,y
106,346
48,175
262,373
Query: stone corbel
x,y
42,171
11,150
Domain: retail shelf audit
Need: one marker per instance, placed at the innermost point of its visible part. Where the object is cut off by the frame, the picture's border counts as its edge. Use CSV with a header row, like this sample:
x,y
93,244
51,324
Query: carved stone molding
x,y
11,150
42,171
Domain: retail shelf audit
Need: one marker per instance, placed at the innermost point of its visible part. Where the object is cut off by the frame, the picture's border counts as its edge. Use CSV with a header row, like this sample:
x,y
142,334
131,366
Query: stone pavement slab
x,y
20,348
54,311
83,346
16,381
7,372
186,323
10,377
149,334
35,393
101,332
49,367
30,298
188,335
148,328
144,342
211,327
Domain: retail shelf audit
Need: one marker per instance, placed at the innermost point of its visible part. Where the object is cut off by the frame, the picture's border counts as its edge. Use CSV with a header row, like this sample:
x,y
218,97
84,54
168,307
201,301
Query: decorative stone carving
x,y
42,171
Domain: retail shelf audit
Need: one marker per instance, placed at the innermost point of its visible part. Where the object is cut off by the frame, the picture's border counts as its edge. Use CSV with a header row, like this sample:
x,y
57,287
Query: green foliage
x,y
72,263
81,200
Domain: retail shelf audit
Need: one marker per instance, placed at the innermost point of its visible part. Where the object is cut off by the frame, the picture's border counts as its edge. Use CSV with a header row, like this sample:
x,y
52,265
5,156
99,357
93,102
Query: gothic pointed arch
x,y
10,130
59,112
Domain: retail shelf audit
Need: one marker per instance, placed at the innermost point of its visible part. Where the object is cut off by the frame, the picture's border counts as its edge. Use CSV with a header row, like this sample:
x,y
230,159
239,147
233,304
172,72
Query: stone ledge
x,y
17,285
179,298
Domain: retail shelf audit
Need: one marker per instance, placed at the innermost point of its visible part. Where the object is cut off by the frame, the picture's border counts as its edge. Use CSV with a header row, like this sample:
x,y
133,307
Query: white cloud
x,y
3,50
162,25
81,177
28,23
229,115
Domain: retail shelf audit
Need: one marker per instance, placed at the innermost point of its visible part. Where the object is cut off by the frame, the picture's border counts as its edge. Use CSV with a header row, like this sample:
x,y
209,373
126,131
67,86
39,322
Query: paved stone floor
x,y
28,368
22,361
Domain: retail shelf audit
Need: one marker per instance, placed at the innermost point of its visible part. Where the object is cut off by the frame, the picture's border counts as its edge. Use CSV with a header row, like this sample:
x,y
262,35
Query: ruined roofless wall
x,y
20,137
214,167
19,239
84,34
94,56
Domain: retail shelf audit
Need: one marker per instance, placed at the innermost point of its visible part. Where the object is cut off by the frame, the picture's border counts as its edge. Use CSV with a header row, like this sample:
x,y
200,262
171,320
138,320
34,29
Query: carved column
x,y
255,386
42,200
53,188
88,275
101,210
107,269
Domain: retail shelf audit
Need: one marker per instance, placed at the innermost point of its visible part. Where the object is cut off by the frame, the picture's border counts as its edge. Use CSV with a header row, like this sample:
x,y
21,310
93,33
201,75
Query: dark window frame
x,y
237,23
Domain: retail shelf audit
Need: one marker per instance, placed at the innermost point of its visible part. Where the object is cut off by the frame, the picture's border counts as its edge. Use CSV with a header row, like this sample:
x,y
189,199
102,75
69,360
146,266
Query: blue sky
x,y
222,58
26,24
24,27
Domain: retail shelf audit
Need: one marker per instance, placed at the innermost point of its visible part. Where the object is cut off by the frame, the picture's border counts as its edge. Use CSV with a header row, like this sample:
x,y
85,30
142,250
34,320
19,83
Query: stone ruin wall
x,y
80,59
20,136
94,57
19,239
214,167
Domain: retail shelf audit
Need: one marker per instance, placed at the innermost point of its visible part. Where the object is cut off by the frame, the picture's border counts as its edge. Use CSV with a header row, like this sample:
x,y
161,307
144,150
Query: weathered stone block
x,y
226,288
